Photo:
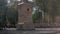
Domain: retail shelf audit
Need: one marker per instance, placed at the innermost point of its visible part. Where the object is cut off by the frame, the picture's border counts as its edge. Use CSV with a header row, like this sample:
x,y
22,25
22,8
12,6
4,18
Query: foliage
x,y
36,16
3,9
42,4
12,13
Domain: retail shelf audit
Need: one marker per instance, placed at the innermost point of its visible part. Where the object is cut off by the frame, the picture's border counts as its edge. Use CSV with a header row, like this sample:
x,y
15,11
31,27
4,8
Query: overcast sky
x,y
19,0
28,0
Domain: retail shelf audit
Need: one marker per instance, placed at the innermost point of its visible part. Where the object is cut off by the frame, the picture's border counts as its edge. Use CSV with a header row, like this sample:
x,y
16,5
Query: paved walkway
x,y
57,29
36,31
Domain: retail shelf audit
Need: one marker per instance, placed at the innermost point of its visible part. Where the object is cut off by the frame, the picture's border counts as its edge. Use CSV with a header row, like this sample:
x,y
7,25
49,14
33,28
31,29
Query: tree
x,y
3,10
12,13
42,4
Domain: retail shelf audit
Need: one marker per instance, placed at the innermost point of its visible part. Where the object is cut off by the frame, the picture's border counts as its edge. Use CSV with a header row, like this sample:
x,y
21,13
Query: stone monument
x,y
25,15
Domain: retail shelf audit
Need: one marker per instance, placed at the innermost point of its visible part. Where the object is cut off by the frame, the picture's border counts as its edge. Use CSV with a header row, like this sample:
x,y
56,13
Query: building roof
x,y
21,3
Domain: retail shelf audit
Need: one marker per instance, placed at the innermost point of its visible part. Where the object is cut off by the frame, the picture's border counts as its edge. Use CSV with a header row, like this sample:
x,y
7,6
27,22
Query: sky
x,y
28,0
18,0
8,1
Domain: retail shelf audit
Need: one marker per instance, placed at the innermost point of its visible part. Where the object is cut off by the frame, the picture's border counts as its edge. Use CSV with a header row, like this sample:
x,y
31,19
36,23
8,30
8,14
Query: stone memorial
x,y
25,15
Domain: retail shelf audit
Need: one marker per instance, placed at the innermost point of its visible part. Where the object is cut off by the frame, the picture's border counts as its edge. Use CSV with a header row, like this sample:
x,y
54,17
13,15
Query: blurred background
x,y
45,13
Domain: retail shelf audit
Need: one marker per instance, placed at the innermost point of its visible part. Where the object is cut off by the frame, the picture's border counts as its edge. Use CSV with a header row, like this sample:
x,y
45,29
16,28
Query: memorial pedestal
x,y
25,16
22,26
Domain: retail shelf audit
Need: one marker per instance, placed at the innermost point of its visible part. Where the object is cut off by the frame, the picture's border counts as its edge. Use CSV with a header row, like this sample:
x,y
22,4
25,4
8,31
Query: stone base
x,y
28,27
25,27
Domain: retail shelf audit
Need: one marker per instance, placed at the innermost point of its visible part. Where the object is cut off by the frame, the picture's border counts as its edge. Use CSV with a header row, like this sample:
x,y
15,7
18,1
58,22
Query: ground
x,y
37,31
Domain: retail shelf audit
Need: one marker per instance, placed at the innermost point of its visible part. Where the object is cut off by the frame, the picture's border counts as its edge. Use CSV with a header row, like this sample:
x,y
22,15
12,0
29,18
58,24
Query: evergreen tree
x,y
3,9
